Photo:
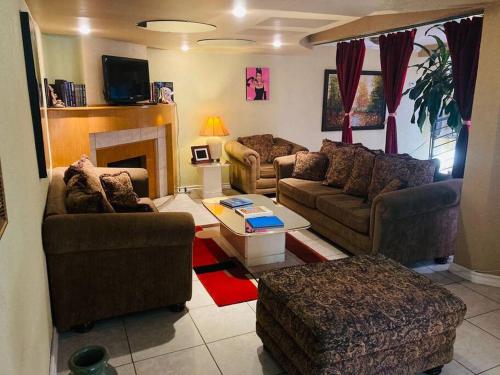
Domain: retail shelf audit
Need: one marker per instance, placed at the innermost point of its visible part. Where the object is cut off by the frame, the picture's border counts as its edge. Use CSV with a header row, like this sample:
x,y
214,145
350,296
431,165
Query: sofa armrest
x,y
295,147
244,154
89,232
284,167
139,177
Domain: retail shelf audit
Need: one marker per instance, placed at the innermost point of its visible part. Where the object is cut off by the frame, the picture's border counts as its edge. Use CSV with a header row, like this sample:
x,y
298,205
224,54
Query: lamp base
x,y
215,146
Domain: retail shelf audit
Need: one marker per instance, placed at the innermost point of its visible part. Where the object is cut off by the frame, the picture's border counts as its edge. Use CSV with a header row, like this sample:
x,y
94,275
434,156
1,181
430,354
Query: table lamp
x,y
214,128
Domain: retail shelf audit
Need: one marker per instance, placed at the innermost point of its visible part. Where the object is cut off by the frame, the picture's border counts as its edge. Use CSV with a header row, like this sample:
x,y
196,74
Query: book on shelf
x,y
263,224
235,202
253,211
72,94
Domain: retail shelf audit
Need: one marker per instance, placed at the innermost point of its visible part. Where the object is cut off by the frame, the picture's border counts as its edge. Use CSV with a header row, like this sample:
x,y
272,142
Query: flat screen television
x,y
126,80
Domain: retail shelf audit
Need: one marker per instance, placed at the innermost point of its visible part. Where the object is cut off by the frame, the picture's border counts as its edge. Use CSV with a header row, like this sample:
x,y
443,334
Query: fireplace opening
x,y
137,162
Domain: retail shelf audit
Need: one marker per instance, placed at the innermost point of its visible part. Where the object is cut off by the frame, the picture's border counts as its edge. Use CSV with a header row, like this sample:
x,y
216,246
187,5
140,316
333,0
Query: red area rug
x,y
226,279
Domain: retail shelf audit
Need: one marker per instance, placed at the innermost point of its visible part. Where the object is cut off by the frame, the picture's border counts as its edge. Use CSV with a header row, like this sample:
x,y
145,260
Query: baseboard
x,y
190,188
474,276
54,347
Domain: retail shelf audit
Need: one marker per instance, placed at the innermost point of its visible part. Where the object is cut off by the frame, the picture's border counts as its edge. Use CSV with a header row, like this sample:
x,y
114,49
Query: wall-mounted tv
x,y
126,80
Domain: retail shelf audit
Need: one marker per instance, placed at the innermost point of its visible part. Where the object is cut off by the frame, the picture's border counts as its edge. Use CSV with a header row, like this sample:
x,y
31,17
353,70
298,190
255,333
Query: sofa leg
x,y
178,307
434,371
83,328
442,260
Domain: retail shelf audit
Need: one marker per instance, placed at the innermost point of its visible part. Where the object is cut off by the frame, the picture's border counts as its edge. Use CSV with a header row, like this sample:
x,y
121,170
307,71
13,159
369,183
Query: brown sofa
x,y
409,225
251,174
109,264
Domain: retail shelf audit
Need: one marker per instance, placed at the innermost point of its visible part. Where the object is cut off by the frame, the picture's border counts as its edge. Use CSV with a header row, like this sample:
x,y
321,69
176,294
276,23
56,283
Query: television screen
x,y
126,80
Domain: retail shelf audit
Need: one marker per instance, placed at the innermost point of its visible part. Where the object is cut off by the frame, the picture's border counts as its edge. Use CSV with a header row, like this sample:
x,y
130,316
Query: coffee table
x,y
254,249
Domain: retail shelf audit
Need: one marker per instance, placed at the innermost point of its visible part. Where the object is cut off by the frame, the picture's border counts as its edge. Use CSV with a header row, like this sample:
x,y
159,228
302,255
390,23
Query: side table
x,y
210,175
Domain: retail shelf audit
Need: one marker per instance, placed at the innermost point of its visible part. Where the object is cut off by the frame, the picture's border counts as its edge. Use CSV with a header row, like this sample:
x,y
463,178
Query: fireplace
x,y
135,162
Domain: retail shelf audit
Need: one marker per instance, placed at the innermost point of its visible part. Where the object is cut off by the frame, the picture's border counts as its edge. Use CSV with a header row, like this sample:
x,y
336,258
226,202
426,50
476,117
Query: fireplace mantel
x,y
70,130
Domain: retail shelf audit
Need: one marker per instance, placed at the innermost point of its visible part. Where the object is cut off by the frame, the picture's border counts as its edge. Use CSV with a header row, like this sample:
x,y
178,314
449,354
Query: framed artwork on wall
x,y
3,208
368,110
35,85
257,84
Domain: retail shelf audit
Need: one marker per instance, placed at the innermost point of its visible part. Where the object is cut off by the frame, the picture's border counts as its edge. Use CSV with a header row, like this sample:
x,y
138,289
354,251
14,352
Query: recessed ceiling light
x,y
239,11
277,43
176,26
225,42
84,30
185,47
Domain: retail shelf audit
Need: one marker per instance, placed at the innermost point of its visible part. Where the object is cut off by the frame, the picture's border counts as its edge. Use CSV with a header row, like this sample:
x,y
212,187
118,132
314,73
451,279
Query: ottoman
x,y
360,315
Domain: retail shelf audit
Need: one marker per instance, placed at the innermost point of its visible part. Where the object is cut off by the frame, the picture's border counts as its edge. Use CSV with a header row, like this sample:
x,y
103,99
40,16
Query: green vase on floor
x,y
91,360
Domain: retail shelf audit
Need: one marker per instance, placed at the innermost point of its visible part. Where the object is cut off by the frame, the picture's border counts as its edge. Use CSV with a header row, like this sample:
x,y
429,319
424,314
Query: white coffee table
x,y
254,249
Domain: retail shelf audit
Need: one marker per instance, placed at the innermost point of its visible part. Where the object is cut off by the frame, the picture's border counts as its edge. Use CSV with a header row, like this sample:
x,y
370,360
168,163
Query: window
x,y
443,142
3,208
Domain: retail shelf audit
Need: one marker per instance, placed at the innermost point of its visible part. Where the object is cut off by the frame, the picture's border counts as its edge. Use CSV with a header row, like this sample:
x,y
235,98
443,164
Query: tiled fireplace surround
x,y
115,138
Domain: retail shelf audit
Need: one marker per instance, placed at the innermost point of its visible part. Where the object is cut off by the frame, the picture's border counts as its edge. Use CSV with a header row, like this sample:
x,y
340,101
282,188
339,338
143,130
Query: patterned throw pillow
x,y
388,167
77,167
328,146
119,190
310,165
394,185
279,150
361,176
84,194
262,144
341,164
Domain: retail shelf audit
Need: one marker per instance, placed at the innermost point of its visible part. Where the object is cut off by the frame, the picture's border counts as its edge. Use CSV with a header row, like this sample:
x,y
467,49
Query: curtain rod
x,y
470,14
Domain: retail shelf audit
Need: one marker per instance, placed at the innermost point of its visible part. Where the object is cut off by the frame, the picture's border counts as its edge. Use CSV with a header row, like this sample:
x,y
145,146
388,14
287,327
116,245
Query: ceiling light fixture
x,y
176,26
277,43
185,47
225,42
239,11
84,30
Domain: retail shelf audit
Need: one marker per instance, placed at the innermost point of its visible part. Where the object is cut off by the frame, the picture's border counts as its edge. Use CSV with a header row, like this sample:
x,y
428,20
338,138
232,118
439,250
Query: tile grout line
x,y
165,354
494,367
482,329
481,314
129,346
475,291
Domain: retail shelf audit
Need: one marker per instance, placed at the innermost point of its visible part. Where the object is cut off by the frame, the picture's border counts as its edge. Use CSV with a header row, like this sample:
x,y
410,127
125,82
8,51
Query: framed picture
x,y
257,84
35,85
201,154
3,208
368,107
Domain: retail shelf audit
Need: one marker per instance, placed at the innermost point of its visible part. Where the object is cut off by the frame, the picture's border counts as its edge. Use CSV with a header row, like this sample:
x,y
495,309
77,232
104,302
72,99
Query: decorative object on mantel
x,y
214,128
368,110
91,360
257,84
34,88
162,92
3,207
201,154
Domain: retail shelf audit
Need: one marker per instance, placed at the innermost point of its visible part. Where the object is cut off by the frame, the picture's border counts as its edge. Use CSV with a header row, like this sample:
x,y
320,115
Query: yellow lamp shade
x,y
214,127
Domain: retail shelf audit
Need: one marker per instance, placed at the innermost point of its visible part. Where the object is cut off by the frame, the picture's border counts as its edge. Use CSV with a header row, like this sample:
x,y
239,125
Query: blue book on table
x,y
265,222
235,202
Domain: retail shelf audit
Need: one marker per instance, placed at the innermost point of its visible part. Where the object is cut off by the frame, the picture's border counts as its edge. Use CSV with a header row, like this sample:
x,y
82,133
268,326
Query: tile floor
x,y
207,339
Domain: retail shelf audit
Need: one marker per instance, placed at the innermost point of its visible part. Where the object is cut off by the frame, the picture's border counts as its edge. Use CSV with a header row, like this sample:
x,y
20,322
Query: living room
x,y
131,131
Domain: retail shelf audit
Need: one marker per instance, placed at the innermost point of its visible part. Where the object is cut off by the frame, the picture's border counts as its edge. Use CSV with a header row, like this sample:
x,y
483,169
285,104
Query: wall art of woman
x,y
257,84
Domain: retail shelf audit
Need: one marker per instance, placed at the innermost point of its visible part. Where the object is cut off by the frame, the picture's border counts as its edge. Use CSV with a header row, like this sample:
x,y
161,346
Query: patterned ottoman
x,y
360,315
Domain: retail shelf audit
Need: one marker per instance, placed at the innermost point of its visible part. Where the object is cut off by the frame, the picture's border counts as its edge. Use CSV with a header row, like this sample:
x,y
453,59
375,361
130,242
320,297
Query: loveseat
x,y
251,158
102,265
413,224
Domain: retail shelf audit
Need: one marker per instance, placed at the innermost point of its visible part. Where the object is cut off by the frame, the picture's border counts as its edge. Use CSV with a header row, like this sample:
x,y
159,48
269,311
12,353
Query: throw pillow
x,y
310,165
394,185
422,171
77,167
84,194
262,144
385,169
361,176
119,190
279,150
328,146
340,168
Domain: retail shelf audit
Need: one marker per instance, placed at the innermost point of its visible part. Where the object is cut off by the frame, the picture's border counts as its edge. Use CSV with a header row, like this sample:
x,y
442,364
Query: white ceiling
x,y
266,20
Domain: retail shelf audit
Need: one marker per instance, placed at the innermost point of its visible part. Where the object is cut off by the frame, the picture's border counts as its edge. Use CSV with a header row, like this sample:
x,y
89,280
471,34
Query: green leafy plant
x,y
433,91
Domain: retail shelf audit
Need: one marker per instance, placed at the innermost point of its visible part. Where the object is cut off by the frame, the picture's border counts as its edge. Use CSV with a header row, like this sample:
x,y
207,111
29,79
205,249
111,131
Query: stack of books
x,y
235,202
257,218
263,224
72,94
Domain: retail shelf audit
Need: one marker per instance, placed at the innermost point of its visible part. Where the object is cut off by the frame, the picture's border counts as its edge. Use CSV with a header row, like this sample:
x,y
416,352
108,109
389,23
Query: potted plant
x,y
433,90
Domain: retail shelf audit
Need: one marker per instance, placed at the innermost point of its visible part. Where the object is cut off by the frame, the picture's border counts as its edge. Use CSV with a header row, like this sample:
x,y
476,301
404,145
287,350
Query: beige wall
x,y
214,84
62,58
479,235
25,323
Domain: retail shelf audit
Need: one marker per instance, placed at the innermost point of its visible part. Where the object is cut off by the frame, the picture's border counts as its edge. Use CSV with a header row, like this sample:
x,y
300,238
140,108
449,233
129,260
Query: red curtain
x,y
350,57
395,52
464,41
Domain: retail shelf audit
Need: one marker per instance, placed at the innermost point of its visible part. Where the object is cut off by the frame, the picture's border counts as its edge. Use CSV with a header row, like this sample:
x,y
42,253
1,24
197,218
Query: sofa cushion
x,y
327,147
262,144
84,194
143,205
266,183
279,150
119,190
340,168
310,165
394,185
77,167
403,167
267,171
361,175
346,209
304,191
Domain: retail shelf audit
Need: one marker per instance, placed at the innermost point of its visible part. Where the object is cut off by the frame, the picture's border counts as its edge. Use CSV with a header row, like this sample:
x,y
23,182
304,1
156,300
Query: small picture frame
x,y
201,154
